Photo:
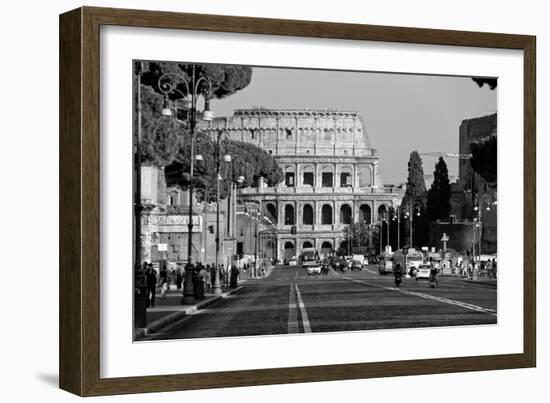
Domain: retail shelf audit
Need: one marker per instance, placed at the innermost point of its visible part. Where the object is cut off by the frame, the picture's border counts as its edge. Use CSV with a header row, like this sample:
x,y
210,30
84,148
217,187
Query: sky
x,y
401,112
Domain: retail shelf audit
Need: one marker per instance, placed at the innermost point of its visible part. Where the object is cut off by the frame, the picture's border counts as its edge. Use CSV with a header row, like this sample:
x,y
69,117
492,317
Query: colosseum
x,y
331,174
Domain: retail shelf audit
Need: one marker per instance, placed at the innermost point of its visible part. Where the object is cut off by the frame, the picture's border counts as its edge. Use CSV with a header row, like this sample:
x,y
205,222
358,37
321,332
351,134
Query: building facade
x,y
164,225
331,175
480,201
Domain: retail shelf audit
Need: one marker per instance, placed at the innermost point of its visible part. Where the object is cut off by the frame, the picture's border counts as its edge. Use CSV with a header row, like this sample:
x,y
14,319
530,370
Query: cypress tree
x,y
415,180
415,187
439,195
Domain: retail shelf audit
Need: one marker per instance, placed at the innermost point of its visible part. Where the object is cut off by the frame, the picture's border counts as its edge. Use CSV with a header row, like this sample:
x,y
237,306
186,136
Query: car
x,y
293,262
356,265
423,272
314,269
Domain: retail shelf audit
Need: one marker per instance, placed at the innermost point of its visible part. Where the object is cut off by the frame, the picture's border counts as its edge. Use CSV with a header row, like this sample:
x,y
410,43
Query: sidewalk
x,y
170,309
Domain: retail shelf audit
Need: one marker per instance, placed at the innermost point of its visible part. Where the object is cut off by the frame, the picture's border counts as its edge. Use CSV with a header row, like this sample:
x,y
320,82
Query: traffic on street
x,y
293,300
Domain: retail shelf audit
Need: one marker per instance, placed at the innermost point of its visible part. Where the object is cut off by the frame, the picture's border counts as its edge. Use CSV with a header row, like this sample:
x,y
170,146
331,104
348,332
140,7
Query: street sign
x,y
162,247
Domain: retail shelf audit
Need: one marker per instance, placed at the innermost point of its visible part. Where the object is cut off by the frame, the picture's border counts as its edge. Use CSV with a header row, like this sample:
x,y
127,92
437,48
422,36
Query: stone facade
x,y
164,225
331,174
474,130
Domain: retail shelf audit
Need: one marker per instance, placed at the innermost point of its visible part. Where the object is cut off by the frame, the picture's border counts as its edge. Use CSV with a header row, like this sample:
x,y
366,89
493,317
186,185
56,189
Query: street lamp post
x,y
168,87
140,318
388,229
397,216
398,228
256,245
380,234
478,222
217,286
411,223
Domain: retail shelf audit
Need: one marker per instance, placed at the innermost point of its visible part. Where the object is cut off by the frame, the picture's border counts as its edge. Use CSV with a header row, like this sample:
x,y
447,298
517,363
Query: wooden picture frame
x,y
80,185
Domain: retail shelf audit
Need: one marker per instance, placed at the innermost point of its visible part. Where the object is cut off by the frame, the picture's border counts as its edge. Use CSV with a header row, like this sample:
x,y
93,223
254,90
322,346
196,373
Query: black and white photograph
x,y
278,200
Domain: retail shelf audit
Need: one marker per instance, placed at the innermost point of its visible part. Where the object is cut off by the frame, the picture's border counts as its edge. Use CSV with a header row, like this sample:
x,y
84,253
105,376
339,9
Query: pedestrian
x,y
222,274
151,281
179,278
234,277
207,278
198,290
140,285
494,268
470,270
163,277
213,275
432,281
202,280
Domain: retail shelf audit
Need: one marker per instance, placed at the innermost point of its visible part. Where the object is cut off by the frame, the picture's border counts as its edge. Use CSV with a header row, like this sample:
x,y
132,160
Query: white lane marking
x,y
305,319
465,305
292,312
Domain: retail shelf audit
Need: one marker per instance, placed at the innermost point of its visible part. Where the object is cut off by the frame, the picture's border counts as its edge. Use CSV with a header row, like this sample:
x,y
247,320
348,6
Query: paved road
x,y
290,301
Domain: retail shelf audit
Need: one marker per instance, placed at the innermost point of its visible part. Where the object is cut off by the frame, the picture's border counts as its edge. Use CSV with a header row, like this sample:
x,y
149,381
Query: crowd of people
x,y
471,269
203,277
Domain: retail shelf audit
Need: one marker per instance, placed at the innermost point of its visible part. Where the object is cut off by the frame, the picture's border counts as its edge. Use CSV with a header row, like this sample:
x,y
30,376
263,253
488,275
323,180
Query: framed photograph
x,y
277,201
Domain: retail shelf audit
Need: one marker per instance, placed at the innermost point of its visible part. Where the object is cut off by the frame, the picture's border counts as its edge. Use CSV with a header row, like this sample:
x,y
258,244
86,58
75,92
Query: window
x,y
289,179
173,199
327,179
288,133
345,179
308,178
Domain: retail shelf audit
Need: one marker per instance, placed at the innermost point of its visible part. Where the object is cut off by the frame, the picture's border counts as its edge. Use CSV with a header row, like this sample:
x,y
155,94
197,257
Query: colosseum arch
x,y
383,211
290,215
307,214
345,214
365,214
326,248
271,212
326,214
289,250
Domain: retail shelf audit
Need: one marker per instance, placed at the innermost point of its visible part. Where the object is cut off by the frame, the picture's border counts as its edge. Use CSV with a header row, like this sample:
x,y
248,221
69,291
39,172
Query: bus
x,y
409,258
309,257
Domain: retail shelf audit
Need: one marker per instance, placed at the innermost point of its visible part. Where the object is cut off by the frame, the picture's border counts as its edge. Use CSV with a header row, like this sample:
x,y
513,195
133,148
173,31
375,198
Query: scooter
x,y
398,279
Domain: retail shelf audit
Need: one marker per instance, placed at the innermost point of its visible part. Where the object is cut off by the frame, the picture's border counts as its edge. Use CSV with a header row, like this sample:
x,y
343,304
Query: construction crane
x,y
450,155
